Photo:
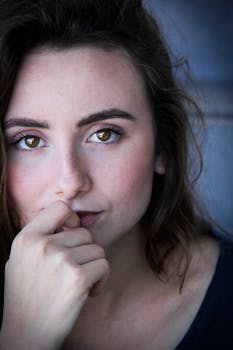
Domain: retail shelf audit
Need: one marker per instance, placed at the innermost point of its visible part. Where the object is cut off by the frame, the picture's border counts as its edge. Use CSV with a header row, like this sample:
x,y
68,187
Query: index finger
x,y
48,220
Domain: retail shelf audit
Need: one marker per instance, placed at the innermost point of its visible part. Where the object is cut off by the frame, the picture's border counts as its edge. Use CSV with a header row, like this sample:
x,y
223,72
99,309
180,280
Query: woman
x,y
103,245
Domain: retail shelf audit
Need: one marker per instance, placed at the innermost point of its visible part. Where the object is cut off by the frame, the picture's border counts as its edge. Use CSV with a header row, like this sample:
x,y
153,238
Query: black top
x,y
212,327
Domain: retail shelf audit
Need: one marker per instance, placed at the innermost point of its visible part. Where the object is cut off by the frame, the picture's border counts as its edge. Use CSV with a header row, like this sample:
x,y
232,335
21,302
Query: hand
x,y
48,278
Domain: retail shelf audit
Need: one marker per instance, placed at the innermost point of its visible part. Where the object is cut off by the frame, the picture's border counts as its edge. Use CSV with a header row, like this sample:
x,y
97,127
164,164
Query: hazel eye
x,y
29,142
106,135
32,141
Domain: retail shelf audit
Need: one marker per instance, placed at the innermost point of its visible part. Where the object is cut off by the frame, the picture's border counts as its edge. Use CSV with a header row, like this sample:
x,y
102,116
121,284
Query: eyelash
x,y
24,134
113,130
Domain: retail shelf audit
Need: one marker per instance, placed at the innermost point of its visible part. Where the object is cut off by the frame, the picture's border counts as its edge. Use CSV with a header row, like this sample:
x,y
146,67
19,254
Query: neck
x,y
127,261
128,271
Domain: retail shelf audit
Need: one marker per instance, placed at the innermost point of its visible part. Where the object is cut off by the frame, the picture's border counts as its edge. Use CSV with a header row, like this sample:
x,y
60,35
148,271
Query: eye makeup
x,y
100,134
106,135
32,139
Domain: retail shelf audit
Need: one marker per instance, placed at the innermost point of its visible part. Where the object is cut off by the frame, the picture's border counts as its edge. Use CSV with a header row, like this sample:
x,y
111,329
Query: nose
x,y
72,176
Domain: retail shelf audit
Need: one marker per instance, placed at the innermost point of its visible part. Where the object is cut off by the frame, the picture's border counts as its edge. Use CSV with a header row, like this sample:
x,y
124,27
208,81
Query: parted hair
x,y
171,219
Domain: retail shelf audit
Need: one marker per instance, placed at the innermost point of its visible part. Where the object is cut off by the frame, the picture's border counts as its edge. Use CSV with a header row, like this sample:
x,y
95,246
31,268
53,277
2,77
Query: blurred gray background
x,y
202,32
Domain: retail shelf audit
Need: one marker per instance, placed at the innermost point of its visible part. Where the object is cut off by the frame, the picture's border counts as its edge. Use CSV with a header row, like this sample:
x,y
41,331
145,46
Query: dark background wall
x,y
202,31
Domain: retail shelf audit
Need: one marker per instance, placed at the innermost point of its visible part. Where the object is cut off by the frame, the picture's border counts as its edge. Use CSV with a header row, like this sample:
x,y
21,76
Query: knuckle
x,y
47,245
87,236
81,278
63,208
100,251
62,257
20,240
105,265
66,257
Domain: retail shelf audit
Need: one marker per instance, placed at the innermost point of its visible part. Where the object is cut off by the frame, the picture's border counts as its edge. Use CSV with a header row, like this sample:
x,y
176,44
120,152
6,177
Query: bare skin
x,y
142,312
49,277
73,264
148,313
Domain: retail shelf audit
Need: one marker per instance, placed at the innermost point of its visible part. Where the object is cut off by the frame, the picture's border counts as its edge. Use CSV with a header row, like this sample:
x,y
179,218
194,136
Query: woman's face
x,y
79,129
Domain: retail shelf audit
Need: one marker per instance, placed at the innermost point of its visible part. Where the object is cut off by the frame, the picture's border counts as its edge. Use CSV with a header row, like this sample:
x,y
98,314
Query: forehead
x,y
87,60
90,77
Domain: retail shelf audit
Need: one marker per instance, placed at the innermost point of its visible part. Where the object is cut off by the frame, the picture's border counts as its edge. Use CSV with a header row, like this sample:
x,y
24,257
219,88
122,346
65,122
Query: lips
x,y
88,218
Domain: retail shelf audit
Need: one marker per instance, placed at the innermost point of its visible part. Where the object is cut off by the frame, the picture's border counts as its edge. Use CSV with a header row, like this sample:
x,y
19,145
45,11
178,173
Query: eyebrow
x,y
95,117
26,122
105,114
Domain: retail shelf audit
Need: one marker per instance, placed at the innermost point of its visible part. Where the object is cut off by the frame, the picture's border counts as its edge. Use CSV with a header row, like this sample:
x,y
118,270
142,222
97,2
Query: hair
x,y
171,219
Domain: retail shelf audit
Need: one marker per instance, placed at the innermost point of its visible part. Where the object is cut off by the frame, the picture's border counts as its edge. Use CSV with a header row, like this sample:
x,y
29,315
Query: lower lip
x,y
88,219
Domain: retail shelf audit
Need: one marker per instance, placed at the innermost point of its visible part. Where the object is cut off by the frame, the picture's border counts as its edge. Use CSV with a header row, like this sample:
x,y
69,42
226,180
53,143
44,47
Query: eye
x,y
29,142
105,135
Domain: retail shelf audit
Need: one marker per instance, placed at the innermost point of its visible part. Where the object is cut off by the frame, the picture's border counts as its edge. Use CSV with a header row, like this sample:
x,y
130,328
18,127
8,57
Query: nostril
x,y
59,193
69,188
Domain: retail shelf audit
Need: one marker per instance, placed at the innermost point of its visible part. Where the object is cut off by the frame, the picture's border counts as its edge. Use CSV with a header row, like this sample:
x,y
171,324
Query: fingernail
x,y
72,221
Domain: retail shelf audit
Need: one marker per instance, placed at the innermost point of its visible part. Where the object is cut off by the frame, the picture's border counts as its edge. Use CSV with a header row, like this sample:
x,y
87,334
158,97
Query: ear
x,y
159,166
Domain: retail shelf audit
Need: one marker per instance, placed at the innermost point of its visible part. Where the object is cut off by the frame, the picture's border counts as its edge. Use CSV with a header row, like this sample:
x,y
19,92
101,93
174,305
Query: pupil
x,y
32,141
104,135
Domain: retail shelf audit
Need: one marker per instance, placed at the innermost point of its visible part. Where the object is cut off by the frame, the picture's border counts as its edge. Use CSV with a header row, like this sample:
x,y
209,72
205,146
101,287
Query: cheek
x,y
27,175
20,181
24,188
129,180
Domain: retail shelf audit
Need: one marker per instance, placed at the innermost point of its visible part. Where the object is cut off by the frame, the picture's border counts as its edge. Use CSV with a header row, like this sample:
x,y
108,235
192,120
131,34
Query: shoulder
x,y
215,250
215,257
224,267
212,325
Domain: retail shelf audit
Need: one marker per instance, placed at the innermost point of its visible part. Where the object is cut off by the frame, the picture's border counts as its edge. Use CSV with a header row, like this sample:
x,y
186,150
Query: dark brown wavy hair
x,y
171,219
